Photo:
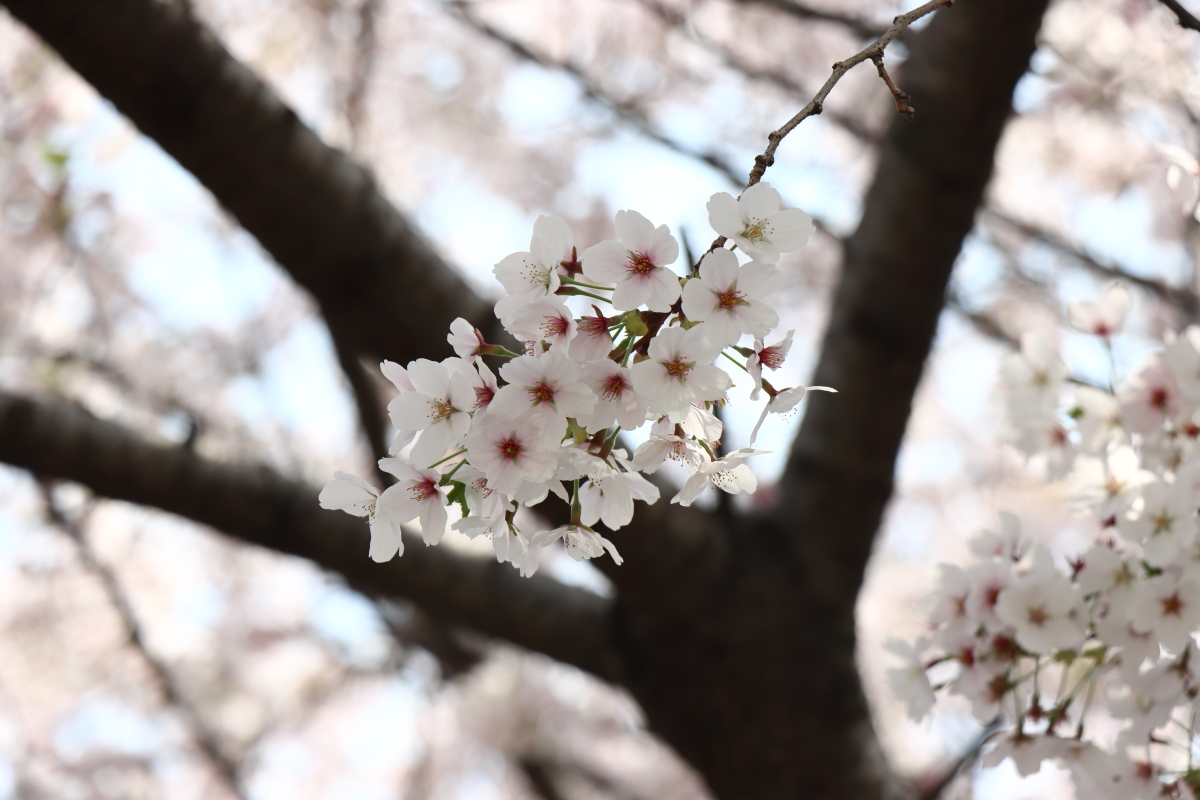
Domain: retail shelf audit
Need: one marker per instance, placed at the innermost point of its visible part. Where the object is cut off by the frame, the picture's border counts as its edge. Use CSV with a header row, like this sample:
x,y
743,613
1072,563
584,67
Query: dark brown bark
x,y
261,507
380,286
736,635
751,672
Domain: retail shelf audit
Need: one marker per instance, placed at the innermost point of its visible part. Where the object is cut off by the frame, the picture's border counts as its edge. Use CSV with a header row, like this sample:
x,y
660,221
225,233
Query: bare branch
x,y
172,693
261,507
316,211
900,97
856,25
816,105
1183,299
1185,17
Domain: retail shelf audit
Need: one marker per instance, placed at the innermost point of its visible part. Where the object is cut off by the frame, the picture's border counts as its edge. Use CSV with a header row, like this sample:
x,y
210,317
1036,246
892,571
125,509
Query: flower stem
x,y
735,361
447,458
445,481
574,282
573,292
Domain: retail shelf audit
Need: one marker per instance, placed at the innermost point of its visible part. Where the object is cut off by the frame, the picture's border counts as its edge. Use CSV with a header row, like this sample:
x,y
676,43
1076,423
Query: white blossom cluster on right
x,y
1090,662
491,443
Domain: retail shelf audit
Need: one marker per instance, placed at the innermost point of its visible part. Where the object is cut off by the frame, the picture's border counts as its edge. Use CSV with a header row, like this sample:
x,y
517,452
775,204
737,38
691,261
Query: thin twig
x,y
856,25
816,105
1183,299
900,97
737,63
1185,17
205,739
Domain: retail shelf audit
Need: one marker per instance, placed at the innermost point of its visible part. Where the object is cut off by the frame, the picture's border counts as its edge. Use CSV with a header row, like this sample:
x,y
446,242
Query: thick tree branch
x,y
260,507
1185,17
382,289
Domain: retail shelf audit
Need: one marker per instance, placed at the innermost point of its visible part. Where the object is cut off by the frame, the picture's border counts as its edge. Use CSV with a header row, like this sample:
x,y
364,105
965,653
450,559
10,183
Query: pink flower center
x,y
1158,398
1172,606
442,409
593,326
730,299
555,327
771,357
1038,616
510,449
640,264
541,393
678,368
423,490
483,396
614,387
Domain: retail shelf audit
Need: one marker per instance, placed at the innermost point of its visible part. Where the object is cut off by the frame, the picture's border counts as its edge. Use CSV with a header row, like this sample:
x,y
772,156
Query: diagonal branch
x,y
311,207
261,507
856,25
1186,301
1185,17
168,686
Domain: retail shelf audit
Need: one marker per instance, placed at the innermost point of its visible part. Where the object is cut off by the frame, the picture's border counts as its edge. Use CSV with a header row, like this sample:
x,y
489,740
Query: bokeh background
x,y
142,656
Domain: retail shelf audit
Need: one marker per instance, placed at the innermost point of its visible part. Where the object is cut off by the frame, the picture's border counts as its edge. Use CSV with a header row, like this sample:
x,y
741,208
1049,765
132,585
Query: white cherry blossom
x,y
353,495
637,264
466,339
771,357
679,371
507,452
728,297
547,320
783,401
728,474
652,453
438,406
415,494
546,388
757,223
616,401
580,542
1105,318
529,276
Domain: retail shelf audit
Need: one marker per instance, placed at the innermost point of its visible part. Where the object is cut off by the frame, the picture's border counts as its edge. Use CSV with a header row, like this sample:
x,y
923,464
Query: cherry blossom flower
x,y
698,423
728,474
546,388
783,401
529,276
652,453
415,494
1151,397
1104,319
1168,606
507,452
729,297
580,541
547,320
616,401
909,682
508,543
757,224
353,495
610,499
636,264
466,339
484,385
398,375
592,340
1163,520
770,357
1032,378
679,370
1043,607
438,406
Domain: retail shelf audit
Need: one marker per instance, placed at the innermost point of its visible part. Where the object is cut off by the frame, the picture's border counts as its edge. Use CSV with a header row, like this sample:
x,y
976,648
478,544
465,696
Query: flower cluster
x,y
1087,662
642,351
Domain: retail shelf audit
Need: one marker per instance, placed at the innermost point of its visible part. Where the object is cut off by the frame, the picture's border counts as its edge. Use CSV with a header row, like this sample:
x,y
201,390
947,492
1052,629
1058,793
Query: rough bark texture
x,y
735,634
750,672
259,506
